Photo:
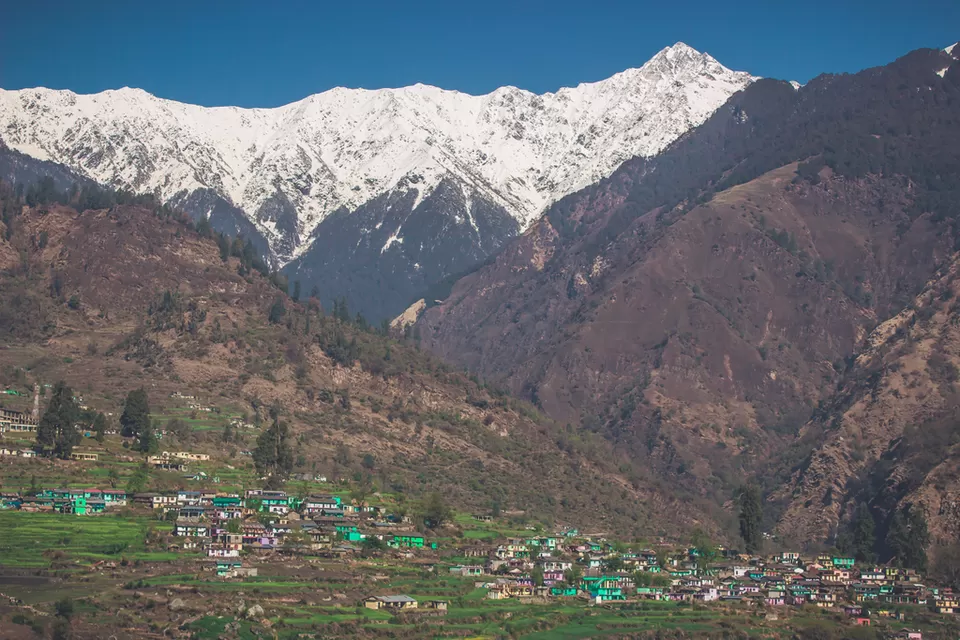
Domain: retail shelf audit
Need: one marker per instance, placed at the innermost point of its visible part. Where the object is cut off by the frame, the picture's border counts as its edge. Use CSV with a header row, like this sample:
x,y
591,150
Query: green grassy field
x,y
37,539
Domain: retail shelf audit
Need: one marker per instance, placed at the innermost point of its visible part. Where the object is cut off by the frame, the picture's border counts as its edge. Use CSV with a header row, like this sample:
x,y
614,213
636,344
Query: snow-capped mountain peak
x,y
288,168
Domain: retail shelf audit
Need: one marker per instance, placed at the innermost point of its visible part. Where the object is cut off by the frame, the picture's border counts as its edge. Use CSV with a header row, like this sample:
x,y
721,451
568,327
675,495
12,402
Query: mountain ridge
x,y
342,147
696,308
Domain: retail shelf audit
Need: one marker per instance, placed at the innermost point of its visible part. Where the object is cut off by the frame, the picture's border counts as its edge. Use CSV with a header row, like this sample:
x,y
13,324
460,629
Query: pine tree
x,y
277,311
296,291
100,426
863,534
751,518
57,434
147,440
136,414
273,457
908,537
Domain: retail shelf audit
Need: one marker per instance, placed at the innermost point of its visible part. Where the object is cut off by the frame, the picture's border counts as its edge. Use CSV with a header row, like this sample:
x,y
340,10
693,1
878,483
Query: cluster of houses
x,y
568,565
223,525
193,402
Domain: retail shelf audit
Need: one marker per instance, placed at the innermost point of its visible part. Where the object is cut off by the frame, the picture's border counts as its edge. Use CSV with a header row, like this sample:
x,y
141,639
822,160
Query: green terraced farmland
x,y
34,539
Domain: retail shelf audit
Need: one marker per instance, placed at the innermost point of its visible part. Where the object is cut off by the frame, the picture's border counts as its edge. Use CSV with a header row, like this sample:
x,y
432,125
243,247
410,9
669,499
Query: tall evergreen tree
x,y
136,414
751,518
908,537
277,311
273,456
147,439
100,426
863,534
57,434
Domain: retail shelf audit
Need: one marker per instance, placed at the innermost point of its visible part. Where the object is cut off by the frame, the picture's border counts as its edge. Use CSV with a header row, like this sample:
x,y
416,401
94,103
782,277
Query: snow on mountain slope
x,y
289,167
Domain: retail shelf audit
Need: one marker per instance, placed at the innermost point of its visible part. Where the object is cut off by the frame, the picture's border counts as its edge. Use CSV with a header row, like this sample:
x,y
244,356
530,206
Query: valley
x,y
671,354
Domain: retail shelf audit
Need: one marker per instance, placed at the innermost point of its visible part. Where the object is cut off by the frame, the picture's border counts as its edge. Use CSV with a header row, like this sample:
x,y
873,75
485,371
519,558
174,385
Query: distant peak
x,y
678,50
952,48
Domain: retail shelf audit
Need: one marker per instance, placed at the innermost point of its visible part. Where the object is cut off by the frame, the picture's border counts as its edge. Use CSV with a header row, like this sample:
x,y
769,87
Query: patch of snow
x,y
394,238
942,72
952,48
796,85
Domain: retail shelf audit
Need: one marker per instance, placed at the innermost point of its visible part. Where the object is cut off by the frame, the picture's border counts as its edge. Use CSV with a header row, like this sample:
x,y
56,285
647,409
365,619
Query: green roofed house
x,y
843,563
604,588
226,566
412,542
348,532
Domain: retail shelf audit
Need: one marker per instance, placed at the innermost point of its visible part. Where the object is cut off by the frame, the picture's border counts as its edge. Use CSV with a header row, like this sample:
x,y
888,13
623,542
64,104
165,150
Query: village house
x,y
166,462
191,528
946,603
407,541
319,505
391,603
195,457
17,422
467,571
155,500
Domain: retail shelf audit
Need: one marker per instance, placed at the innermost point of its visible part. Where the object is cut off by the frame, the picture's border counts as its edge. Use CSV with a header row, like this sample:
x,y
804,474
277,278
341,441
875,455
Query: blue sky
x,y
270,53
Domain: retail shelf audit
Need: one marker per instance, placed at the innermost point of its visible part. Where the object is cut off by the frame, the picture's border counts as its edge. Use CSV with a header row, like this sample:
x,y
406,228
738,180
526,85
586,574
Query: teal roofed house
x,y
604,588
226,501
650,591
348,532
412,542
844,563
272,499
225,566
115,496
548,542
564,591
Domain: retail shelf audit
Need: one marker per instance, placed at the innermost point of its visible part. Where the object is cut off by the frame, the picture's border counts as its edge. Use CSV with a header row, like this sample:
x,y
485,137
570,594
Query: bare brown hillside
x,y
890,438
110,300
698,308
705,343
